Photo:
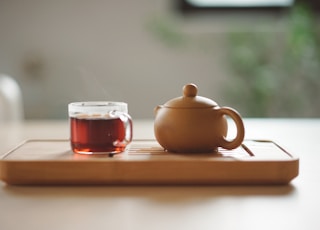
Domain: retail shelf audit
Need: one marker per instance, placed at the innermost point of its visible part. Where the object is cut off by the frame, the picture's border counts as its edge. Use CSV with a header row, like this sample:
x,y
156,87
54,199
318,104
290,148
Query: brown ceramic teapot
x,y
195,124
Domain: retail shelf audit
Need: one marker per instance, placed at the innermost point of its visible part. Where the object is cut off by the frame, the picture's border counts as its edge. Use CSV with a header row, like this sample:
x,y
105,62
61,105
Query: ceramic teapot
x,y
195,124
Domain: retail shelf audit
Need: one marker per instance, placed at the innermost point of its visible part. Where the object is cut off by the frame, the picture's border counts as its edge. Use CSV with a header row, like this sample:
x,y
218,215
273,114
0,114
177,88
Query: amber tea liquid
x,y
93,135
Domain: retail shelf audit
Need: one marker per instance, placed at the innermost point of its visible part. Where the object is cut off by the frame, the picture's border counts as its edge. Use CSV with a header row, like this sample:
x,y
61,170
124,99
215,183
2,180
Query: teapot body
x,y
196,124
189,129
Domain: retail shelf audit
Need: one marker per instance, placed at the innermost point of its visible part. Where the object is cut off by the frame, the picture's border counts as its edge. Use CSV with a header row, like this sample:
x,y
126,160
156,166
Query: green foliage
x,y
277,74
272,73
165,30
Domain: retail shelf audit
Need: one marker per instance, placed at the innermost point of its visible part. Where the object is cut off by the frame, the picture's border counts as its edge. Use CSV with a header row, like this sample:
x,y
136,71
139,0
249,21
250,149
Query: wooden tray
x,y
48,162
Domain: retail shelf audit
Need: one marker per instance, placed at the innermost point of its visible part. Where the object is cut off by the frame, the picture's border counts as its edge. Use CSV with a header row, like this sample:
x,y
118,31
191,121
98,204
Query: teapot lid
x,y
190,99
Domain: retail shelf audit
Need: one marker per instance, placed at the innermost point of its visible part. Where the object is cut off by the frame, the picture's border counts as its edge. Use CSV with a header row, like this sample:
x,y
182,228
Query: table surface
x,y
293,206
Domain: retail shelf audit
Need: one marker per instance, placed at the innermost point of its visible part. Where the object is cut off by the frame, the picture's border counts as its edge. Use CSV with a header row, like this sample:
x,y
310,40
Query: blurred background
x,y
261,58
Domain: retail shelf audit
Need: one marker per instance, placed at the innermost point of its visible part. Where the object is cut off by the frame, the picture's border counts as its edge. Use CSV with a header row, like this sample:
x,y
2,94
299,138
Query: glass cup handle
x,y
127,124
236,142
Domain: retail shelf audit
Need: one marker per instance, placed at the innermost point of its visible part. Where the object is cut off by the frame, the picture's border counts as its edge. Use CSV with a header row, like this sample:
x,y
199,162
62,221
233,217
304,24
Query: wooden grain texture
x,y
51,162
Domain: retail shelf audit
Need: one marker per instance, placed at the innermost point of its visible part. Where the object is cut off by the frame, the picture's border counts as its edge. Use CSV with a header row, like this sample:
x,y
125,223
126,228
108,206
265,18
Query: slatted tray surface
x,y
51,162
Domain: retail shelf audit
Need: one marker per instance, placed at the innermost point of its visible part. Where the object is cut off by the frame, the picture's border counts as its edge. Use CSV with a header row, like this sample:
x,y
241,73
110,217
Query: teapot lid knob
x,y
190,90
190,99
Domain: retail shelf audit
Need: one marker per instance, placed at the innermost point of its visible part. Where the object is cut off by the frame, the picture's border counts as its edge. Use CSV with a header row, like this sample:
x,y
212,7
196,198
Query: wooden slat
x,y
145,162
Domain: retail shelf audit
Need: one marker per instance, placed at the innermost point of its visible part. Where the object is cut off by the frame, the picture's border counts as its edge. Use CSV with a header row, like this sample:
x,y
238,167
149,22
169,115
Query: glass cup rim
x,y
99,107
97,103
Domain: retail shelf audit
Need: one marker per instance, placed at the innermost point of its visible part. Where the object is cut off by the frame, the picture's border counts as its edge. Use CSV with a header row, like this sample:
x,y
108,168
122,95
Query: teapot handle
x,y
236,142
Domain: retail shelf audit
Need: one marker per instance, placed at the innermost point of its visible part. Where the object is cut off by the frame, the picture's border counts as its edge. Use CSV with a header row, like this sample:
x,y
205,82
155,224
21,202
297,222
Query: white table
x,y
295,206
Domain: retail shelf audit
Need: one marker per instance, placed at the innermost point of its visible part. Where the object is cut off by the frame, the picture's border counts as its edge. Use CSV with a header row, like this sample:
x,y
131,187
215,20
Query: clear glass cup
x,y
99,127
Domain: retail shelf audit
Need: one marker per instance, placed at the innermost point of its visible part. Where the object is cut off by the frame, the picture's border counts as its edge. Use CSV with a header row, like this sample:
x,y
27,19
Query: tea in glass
x,y
99,127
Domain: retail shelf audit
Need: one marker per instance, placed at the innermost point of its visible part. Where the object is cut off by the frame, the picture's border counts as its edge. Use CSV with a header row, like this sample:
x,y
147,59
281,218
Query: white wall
x,y
70,50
